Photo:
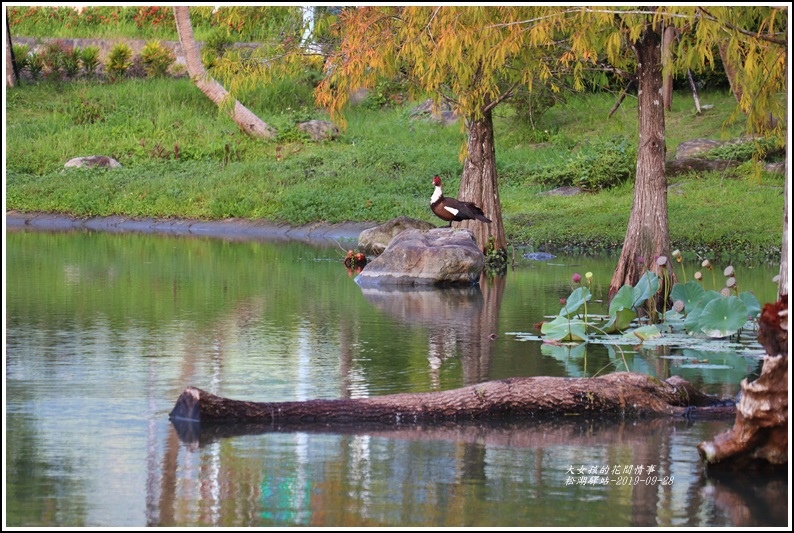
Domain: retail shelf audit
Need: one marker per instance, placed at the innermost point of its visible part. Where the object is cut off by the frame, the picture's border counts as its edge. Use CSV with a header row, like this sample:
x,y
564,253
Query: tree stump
x,y
759,437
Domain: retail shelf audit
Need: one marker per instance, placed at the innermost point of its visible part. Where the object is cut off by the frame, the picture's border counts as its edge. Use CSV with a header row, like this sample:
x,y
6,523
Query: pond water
x,y
104,331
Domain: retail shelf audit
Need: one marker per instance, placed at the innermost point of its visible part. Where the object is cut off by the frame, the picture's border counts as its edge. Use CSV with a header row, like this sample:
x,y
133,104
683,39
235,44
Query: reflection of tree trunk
x,y
166,506
242,116
645,496
481,332
622,394
754,501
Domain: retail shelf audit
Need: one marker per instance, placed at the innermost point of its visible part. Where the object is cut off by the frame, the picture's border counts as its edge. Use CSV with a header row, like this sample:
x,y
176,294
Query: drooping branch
x,y
753,34
618,395
621,97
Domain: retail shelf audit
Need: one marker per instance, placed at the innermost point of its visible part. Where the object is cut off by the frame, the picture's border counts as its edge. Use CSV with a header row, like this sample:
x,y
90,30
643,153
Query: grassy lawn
x,y
183,159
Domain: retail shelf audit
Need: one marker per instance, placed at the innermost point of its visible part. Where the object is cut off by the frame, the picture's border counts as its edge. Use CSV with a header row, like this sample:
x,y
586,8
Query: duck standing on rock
x,y
452,210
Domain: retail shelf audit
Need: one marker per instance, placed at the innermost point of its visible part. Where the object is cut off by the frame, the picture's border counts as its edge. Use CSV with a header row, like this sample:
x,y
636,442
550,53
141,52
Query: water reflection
x,y
461,322
629,473
104,331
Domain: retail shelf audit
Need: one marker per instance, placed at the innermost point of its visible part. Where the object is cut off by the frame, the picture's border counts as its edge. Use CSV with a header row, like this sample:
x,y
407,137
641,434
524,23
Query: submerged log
x,y
618,395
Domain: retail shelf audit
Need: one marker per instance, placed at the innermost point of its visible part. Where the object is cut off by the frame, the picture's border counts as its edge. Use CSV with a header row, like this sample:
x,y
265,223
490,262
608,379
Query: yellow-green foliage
x,y
156,58
475,56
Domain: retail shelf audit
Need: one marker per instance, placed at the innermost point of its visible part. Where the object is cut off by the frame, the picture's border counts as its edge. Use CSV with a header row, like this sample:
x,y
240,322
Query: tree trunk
x,y
478,183
647,236
12,72
667,57
694,91
782,282
617,395
731,70
759,437
242,116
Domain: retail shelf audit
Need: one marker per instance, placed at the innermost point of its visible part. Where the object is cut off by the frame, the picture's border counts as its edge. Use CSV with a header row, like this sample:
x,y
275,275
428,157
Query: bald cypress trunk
x,y
479,183
647,236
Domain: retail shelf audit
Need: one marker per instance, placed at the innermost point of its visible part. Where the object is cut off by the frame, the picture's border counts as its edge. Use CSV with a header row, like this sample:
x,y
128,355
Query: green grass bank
x,y
182,158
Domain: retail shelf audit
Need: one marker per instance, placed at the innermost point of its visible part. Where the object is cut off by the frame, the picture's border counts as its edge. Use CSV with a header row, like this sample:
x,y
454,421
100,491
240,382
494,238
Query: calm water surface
x,y
104,331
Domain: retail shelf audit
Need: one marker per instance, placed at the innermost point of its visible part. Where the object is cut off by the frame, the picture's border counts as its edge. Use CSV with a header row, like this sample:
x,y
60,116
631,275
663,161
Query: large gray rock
x,y
444,115
695,148
373,241
93,161
441,256
319,130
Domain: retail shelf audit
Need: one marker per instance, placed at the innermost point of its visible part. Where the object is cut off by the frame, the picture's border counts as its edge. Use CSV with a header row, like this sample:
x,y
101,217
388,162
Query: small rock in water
x,y
539,256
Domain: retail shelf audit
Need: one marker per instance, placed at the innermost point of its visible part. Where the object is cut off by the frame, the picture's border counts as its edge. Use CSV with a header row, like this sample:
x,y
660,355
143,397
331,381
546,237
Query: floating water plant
x,y
695,311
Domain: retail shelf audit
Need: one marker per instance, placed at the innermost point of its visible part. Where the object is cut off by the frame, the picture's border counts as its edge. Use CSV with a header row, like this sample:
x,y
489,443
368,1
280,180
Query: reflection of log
x,y
760,433
513,433
622,394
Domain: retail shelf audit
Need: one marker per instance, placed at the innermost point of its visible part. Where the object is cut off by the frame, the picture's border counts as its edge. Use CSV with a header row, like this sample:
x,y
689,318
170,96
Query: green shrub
x,y
599,164
21,55
119,61
156,58
89,57
215,46
71,61
530,106
218,41
747,150
35,65
52,57
386,93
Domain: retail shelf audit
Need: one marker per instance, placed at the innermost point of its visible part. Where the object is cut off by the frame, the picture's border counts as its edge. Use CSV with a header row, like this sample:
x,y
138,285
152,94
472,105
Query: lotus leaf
x,y
723,316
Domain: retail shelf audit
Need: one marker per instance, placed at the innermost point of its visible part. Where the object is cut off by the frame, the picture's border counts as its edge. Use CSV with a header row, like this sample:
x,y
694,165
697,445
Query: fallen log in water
x,y
618,395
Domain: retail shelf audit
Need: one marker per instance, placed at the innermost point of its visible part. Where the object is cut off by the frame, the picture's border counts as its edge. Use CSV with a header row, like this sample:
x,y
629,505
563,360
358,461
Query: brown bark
x,y
759,436
618,395
242,116
782,283
694,91
12,75
667,57
647,236
731,70
478,183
